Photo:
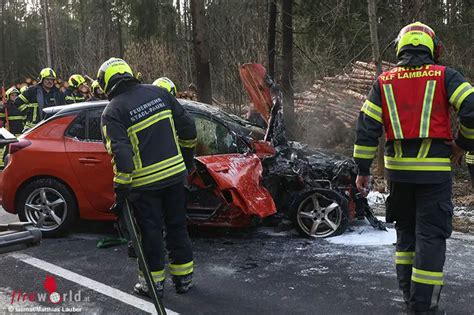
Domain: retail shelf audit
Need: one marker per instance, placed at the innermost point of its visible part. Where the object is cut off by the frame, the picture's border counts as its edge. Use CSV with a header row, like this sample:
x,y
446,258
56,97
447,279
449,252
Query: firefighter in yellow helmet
x,y
39,96
412,103
23,89
11,117
78,90
97,92
470,165
166,84
151,138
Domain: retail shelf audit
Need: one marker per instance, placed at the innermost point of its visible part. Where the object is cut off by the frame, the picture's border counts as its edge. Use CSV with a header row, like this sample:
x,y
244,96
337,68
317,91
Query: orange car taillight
x,y
17,146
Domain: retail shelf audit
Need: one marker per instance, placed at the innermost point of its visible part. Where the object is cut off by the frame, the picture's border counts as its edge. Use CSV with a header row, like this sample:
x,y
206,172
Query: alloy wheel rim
x,y
319,221
46,208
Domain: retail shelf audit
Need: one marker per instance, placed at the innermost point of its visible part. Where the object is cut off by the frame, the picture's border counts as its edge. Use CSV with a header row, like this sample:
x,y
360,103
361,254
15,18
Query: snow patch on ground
x,y
364,235
222,270
463,212
270,231
320,270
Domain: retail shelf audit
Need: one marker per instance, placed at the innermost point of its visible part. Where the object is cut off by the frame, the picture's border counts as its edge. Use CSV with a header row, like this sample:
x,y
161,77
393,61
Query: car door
x,y
89,159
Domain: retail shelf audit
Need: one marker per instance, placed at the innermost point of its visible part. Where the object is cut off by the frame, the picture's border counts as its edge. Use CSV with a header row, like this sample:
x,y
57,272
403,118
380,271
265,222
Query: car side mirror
x,y
263,149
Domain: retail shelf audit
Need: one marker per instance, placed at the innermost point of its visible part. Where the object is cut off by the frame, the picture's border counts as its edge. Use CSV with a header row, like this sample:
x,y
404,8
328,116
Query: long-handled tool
x,y
135,236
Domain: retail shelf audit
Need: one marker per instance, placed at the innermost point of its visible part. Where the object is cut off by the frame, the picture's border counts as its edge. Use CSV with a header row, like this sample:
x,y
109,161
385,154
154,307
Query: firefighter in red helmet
x,y
412,103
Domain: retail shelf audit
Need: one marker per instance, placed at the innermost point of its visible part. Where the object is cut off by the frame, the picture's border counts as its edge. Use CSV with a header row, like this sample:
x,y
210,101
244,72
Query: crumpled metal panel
x,y
240,175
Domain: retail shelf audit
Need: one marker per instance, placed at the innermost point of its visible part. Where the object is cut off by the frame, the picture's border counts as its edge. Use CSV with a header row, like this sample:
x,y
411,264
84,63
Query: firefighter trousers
x,y
154,210
423,215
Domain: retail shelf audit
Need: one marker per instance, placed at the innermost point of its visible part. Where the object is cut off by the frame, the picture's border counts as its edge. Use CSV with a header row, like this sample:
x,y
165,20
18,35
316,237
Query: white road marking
x,y
89,283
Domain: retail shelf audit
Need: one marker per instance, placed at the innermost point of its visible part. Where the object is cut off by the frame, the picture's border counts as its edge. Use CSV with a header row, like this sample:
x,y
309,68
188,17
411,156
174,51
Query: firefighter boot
x,y
141,288
182,284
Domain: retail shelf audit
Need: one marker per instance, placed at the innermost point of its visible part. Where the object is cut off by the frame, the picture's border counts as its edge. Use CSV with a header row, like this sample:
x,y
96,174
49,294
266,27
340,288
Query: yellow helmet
x,y
46,73
111,72
23,88
11,91
418,36
166,84
75,80
95,85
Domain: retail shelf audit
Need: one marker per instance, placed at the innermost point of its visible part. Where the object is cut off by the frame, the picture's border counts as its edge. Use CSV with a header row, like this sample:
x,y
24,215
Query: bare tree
x,y
271,37
47,33
287,77
3,40
201,51
372,9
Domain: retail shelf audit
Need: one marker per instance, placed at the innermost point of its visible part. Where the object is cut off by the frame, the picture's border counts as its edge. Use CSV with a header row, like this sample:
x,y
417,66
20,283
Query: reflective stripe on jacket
x,y
142,128
414,103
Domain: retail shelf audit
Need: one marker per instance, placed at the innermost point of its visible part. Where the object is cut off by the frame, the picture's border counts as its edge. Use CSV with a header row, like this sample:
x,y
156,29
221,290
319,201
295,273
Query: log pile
x,y
339,97
189,95
59,83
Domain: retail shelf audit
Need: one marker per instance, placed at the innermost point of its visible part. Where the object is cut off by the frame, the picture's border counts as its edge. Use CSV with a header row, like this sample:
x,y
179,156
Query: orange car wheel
x,y
49,204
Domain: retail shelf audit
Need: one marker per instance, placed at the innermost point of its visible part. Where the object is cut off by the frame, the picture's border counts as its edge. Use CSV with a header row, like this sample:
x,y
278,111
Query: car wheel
x,y
320,213
49,204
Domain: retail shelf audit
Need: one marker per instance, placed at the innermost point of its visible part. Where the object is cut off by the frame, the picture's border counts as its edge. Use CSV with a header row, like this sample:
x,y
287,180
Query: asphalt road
x,y
256,271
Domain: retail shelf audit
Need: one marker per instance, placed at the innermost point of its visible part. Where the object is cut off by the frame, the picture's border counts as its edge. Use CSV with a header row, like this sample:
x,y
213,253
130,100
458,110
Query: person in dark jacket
x,y
77,91
11,118
412,103
151,138
470,165
97,93
39,96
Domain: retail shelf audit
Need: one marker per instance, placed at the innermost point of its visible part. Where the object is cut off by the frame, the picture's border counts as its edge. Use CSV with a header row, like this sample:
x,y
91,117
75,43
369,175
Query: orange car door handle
x,y
89,160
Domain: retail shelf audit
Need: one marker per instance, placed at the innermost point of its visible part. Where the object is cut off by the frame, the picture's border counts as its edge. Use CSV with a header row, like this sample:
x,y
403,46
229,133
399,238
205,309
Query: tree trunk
x,y
287,77
201,51
3,41
119,28
373,35
271,38
378,64
47,32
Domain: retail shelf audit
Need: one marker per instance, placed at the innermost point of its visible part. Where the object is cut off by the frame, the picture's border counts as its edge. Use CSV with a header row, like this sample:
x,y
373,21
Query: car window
x,y
215,138
78,127
94,125
86,127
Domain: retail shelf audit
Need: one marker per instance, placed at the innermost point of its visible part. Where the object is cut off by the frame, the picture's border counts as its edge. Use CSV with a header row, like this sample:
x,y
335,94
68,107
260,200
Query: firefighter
x,y
151,176
39,96
166,84
97,93
470,165
11,118
412,103
78,91
23,89
10,115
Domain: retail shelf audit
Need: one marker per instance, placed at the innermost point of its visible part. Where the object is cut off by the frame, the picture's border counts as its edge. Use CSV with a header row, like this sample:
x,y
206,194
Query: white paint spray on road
x,y
89,283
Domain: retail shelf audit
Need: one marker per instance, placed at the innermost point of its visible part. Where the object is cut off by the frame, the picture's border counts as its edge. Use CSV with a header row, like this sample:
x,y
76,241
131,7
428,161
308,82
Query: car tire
x,y
49,204
324,209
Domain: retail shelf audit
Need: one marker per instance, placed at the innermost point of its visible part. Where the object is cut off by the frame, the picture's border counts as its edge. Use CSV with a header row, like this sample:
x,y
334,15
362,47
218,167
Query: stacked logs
x,y
189,95
339,97
60,84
